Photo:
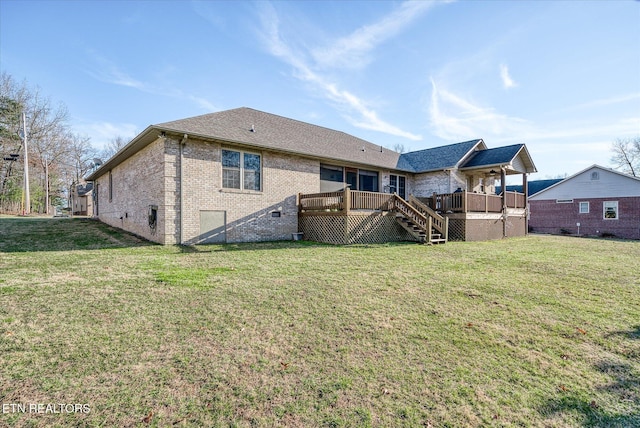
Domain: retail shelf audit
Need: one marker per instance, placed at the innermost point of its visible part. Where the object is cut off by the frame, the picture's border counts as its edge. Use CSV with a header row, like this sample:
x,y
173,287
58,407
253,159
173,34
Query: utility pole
x,y
46,185
26,208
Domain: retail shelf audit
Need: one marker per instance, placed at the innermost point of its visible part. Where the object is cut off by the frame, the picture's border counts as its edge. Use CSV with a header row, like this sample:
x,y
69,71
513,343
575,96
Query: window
x,y
241,170
595,175
110,186
368,180
564,201
584,208
331,178
610,210
398,184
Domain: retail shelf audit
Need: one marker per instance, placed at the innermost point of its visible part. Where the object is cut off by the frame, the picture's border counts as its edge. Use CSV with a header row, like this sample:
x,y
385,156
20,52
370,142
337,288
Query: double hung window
x,y
241,170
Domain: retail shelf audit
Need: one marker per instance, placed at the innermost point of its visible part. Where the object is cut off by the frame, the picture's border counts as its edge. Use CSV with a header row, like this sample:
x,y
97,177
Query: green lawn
x,y
537,331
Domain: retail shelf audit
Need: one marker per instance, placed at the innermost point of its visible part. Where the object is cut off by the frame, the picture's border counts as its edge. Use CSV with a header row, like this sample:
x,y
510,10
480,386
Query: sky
x,y
562,77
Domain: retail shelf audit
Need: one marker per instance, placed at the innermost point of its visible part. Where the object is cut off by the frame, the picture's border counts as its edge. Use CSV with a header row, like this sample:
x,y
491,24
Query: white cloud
x,y
507,81
109,72
351,51
454,118
606,101
102,133
349,103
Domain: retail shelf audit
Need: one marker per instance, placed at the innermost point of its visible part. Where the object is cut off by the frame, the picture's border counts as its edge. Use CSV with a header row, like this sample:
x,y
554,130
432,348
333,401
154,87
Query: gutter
x,y
180,149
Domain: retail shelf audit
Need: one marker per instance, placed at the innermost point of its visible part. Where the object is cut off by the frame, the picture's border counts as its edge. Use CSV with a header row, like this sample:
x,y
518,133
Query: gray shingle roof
x,y
283,134
261,130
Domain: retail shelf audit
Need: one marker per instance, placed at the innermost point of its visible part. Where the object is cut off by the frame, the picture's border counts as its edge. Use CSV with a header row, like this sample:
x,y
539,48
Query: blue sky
x,y
561,77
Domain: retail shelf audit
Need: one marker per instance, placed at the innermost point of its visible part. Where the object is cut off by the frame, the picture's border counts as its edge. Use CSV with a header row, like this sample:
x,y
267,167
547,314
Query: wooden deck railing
x,y
347,200
439,223
473,202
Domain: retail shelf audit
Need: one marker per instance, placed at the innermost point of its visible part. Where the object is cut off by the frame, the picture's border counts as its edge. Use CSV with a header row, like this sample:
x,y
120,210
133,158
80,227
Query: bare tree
x,y
113,147
399,147
626,155
57,156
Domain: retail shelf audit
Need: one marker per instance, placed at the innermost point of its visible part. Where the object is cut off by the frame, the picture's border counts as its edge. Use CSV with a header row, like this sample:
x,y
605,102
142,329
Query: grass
x,y
535,331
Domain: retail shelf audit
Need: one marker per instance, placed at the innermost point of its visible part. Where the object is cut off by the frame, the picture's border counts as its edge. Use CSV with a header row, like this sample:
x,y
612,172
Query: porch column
x,y
503,183
525,190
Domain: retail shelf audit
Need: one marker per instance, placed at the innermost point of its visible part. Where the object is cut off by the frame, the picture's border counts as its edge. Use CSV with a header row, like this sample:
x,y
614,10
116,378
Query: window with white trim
x,y
610,210
241,170
584,208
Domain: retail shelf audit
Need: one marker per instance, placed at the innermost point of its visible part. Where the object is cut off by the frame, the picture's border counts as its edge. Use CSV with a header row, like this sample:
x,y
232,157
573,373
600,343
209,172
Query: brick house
x,y
242,175
81,199
596,201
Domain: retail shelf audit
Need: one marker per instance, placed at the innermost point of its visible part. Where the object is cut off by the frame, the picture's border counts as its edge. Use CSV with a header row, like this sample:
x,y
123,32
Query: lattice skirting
x,y
376,228
457,228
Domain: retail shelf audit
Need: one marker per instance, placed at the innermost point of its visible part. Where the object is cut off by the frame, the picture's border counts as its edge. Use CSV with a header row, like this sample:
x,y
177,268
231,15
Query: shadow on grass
x,y
624,386
33,234
277,245
634,333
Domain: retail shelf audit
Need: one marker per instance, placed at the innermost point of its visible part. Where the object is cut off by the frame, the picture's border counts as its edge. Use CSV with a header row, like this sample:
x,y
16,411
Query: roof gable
x,y
515,158
607,183
440,158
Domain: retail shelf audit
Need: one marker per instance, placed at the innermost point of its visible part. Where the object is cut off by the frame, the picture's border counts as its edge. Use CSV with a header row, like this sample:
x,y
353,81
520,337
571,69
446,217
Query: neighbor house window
x,y
595,175
241,170
584,208
610,210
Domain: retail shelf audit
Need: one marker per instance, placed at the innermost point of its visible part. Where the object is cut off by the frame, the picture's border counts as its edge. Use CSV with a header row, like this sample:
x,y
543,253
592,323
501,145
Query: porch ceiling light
x,y
493,172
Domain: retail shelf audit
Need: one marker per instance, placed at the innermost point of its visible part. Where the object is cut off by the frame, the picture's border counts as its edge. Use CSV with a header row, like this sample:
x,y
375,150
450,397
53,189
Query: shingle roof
x,y
533,186
499,155
439,158
261,130
284,134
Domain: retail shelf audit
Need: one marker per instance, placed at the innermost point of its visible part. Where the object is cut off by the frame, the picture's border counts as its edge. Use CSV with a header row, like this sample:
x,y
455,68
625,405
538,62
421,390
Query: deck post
x,y
429,229
346,199
446,229
464,202
503,184
435,202
299,201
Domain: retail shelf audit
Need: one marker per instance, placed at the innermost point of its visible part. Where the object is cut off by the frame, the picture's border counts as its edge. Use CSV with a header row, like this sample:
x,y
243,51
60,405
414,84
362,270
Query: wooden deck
x,y
337,217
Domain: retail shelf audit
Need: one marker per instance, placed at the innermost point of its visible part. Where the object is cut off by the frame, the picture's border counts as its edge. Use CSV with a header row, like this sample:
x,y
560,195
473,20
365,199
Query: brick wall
x,y
137,184
547,216
248,213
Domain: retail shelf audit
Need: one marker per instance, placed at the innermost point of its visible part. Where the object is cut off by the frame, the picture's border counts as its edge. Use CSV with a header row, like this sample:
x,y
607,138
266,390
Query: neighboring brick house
x,y
81,199
596,201
237,175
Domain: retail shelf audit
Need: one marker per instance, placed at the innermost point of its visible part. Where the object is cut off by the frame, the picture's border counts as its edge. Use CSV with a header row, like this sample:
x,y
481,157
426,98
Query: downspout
x,y
180,149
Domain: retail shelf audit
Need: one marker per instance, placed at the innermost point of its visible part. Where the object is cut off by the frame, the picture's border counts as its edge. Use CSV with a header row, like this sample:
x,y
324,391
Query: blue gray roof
x,y
438,158
533,186
497,156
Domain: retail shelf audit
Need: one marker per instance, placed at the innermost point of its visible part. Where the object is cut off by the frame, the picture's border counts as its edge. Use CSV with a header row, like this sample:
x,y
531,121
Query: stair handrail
x,y
440,223
410,212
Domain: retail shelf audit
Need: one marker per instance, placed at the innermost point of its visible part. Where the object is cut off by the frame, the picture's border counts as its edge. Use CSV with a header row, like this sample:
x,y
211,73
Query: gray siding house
x,y
243,175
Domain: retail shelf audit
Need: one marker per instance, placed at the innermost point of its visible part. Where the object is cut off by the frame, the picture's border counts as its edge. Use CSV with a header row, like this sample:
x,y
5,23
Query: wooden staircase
x,y
427,226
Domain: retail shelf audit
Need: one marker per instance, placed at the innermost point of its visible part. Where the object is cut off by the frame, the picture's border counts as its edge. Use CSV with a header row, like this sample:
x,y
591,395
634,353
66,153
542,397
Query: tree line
x,y
57,157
